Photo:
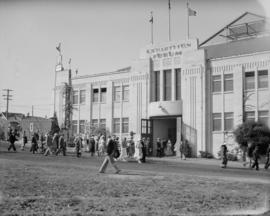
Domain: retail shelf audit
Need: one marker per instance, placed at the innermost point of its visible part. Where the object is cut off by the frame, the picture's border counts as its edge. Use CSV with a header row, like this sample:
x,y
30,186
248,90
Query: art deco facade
x,y
181,90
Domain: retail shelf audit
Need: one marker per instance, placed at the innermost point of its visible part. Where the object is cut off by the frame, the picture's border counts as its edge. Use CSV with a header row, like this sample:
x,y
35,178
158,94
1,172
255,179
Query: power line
x,y
7,97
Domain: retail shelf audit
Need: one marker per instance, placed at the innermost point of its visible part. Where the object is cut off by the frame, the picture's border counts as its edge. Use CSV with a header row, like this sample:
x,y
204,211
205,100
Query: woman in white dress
x,y
138,149
123,155
102,145
168,151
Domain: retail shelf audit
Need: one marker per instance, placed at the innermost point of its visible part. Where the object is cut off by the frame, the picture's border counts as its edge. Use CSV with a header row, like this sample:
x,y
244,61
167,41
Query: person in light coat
x,y
138,149
123,155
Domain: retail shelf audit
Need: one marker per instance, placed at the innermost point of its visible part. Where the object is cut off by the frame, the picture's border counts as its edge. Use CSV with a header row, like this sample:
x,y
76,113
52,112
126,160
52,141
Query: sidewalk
x,y
202,161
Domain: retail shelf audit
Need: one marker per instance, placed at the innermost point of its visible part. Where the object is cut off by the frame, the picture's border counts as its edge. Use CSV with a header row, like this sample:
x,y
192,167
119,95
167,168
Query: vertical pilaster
x,y
173,85
161,89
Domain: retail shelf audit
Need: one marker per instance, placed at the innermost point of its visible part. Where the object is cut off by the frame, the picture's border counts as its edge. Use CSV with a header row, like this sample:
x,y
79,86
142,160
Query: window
x,y
216,121
263,79
82,126
95,95
103,93
250,116
125,125
102,123
126,93
263,117
167,85
155,85
75,97
116,125
94,123
178,83
116,93
228,121
249,80
82,96
216,83
228,82
74,126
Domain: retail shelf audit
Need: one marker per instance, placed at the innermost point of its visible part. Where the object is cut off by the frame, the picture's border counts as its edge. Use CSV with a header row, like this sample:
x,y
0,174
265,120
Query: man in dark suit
x,y
12,139
111,147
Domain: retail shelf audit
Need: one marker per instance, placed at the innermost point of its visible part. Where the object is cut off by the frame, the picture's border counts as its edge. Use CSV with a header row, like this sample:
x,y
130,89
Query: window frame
x,y
216,81
259,77
167,96
248,74
84,93
82,126
228,116
95,94
216,117
125,125
116,93
75,95
116,124
266,115
103,95
227,79
125,93
247,118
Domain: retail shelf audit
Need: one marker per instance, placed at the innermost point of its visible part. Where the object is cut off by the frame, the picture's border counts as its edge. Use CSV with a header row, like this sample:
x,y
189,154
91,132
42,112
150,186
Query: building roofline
x,y
120,71
237,56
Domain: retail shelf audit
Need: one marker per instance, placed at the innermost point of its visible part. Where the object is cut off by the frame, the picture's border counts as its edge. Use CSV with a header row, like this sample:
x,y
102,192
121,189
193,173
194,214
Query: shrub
x,y
230,155
255,133
205,154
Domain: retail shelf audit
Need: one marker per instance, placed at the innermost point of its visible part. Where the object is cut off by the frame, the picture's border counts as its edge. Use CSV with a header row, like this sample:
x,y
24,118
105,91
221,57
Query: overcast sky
x,y
99,36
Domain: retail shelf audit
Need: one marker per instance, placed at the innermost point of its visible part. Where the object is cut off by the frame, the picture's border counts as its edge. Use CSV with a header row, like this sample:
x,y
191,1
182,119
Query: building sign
x,y
31,127
170,49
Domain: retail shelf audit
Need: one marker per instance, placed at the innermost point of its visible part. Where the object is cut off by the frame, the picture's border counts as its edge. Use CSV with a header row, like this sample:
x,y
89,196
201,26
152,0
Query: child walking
x,y
223,153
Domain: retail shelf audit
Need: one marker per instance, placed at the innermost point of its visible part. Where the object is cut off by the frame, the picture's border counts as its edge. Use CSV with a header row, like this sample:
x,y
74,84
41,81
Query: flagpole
x,y
169,7
187,19
152,27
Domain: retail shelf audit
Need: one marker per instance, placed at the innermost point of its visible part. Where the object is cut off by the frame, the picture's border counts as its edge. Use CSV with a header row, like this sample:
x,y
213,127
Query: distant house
x,y
13,119
29,124
32,124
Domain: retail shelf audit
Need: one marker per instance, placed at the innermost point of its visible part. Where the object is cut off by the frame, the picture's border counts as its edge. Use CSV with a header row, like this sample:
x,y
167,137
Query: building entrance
x,y
165,129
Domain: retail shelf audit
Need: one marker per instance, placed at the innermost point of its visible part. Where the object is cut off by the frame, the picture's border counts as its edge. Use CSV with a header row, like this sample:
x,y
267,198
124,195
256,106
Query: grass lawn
x,y
53,187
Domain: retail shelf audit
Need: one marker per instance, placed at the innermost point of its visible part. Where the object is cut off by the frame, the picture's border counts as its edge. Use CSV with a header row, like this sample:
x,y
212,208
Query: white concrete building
x,y
181,90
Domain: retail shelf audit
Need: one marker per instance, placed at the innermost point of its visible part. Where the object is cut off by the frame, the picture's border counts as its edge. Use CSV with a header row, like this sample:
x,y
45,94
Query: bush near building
x,y
255,133
205,154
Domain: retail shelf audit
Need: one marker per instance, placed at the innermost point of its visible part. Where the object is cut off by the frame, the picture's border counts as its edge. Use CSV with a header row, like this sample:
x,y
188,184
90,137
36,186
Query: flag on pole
x,y
192,12
169,4
59,47
151,18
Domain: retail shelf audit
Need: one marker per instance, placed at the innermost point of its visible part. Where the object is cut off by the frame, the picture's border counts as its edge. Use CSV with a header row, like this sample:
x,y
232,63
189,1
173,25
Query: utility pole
x,y
7,97
32,110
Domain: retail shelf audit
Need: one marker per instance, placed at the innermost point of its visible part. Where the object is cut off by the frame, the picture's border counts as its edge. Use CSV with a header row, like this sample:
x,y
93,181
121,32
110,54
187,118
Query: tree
x,y
256,133
54,127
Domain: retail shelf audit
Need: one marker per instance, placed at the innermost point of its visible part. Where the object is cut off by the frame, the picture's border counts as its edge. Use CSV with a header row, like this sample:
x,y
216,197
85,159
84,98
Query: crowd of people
x,y
114,149
251,156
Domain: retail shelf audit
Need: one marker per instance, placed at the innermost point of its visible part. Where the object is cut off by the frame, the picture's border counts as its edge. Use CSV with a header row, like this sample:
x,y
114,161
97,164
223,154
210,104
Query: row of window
x,y
167,83
99,94
116,125
79,95
102,123
249,83
263,116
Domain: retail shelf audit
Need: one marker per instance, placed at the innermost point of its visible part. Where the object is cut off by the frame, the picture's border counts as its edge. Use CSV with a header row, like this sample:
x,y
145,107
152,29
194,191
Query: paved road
x,y
193,167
